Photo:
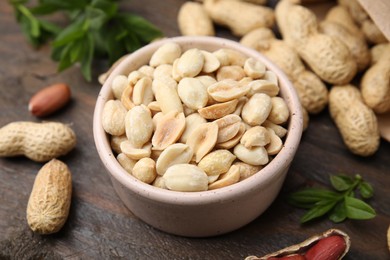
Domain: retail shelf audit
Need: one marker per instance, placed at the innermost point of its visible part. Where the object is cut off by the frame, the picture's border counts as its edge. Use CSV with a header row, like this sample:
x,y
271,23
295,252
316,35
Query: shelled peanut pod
x,y
333,244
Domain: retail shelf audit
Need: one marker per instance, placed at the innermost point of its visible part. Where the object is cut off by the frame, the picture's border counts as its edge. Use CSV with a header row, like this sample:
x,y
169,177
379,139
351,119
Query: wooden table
x,y
100,226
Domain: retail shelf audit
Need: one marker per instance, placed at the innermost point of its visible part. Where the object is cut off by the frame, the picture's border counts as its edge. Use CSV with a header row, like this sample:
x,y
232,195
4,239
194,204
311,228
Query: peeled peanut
x,y
202,139
257,109
156,118
228,127
190,63
126,97
218,110
167,96
233,72
211,62
226,90
254,68
271,76
176,74
206,80
226,179
256,155
159,182
154,107
247,170
256,136
263,86
185,177
213,178
116,142
279,113
139,125
234,140
50,99
113,117
275,144
192,93
126,162
118,85
136,153
192,122
162,71
241,102
166,54
173,154
216,162
144,170
147,70
142,92
134,76
230,57
279,130
168,130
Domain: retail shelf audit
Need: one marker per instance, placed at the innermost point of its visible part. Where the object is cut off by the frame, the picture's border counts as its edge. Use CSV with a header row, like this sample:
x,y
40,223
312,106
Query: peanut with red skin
x,y
329,248
50,99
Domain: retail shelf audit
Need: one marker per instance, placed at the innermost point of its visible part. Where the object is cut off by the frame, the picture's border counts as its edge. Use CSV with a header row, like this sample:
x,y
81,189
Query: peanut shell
x,y
50,198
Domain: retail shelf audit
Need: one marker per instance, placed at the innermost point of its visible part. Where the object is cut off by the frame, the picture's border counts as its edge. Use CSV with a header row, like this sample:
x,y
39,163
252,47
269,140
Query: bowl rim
x,y
272,171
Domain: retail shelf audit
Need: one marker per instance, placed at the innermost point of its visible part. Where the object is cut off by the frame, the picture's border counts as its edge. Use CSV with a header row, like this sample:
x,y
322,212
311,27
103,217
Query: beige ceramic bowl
x,y
206,213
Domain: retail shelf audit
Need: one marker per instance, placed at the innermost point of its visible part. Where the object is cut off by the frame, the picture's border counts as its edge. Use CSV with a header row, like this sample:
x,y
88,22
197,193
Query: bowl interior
x,y
269,173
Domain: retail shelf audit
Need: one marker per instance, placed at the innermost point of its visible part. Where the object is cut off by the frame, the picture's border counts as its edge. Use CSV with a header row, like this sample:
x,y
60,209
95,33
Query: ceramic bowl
x,y
206,213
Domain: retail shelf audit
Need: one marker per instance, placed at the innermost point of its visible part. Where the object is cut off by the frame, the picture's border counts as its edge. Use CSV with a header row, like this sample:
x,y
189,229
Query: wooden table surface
x,y
99,225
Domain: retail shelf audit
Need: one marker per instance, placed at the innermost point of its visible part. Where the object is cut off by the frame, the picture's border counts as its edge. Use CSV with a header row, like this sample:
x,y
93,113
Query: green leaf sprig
x,y
96,29
340,203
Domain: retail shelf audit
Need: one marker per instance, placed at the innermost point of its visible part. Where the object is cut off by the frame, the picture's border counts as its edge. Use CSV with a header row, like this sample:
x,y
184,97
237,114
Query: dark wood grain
x,y
99,225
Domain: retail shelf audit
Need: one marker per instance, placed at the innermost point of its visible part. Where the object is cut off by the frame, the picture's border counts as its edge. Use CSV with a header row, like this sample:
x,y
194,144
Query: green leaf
x,y
34,24
132,42
95,29
311,196
366,190
341,182
65,59
96,17
144,30
86,62
75,51
44,9
339,213
50,28
109,7
114,42
71,33
67,5
358,209
318,211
